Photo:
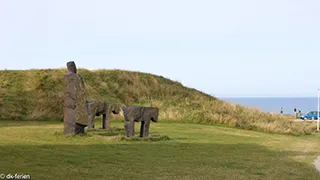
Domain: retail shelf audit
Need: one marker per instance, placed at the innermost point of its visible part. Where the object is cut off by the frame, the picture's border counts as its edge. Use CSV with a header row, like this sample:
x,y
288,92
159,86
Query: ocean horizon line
x,y
228,97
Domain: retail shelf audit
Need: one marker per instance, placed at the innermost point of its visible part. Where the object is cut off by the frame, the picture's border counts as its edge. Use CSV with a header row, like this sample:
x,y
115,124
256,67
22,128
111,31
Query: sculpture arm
x,y
70,92
83,88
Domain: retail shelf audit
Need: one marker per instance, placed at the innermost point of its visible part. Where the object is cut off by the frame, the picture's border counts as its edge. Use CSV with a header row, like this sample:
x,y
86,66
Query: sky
x,y
226,48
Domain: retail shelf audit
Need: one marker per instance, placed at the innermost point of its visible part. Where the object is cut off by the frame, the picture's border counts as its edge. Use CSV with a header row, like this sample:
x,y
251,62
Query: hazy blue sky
x,y
225,48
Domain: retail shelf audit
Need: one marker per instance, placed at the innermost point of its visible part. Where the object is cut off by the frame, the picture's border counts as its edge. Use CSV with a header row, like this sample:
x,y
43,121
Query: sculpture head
x,y
155,114
71,67
115,108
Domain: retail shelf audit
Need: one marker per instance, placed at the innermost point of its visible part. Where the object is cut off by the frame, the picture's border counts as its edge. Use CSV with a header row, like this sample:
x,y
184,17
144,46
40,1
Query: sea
x,y
274,104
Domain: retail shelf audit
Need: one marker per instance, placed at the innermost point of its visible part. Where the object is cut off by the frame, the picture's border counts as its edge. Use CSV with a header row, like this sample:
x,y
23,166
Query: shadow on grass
x,y
112,131
118,134
144,160
150,138
182,138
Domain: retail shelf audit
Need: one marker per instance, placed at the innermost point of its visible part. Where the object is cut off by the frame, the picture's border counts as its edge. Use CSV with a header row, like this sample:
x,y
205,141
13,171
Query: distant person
x,y
295,113
281,110
294,110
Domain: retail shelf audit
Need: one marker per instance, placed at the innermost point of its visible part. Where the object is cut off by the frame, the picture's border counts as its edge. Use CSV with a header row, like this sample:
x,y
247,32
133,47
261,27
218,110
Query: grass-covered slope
x,y
37,95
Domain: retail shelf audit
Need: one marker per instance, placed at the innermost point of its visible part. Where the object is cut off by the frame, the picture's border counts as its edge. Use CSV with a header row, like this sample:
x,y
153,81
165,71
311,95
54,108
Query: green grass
x,y
38,95
180,151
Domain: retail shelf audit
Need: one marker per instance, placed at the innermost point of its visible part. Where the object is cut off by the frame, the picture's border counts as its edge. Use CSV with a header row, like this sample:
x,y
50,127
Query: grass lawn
x,y
193,152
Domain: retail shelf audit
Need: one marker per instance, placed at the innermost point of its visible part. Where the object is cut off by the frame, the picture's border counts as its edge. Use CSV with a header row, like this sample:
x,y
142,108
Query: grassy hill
x,y
37,95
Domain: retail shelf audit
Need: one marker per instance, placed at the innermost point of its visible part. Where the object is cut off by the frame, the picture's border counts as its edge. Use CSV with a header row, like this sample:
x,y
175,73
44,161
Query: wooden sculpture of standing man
x,y
75,102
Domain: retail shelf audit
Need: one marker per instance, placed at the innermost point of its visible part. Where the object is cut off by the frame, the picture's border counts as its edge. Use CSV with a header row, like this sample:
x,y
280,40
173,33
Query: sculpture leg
x,y
69,119
132,128
107,121
129,128
79,129
144,129
104,119
90,122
